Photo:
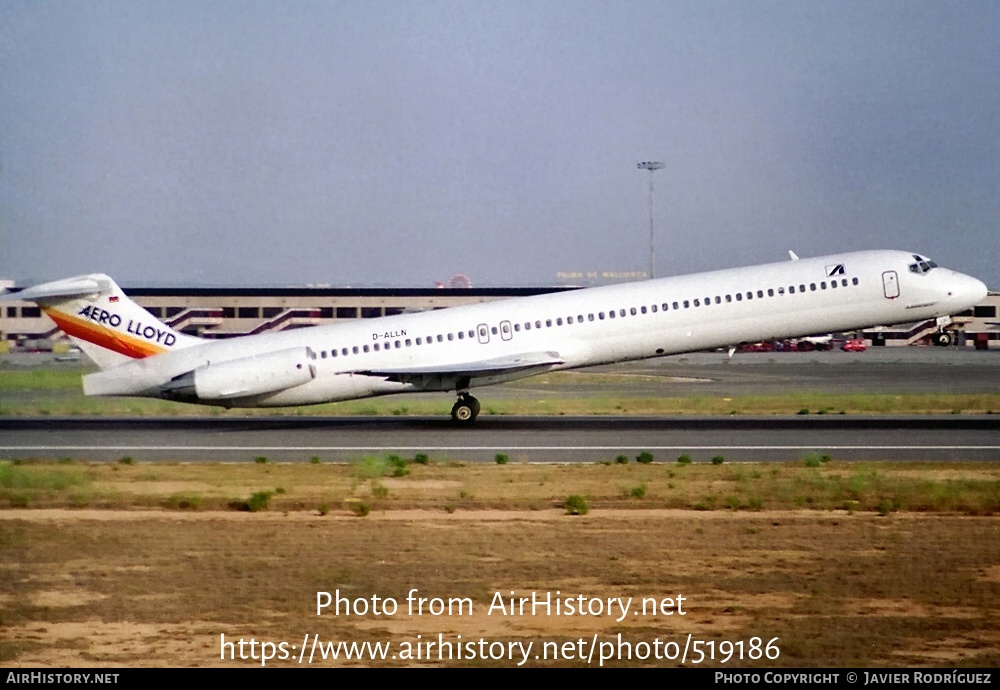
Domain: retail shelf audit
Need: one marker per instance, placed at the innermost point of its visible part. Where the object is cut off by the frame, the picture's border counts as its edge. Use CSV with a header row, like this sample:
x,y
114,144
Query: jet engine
x,y
244,377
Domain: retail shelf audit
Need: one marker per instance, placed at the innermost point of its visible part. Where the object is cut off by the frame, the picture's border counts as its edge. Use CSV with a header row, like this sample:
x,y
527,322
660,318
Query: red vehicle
x,y
855,345
757,347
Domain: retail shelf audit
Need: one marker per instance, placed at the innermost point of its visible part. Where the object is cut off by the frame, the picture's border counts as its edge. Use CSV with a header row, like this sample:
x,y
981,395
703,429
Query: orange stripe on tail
x,y
104,337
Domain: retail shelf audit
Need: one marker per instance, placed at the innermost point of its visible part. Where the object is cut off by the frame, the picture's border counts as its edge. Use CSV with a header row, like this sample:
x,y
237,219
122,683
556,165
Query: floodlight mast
x,y
651,166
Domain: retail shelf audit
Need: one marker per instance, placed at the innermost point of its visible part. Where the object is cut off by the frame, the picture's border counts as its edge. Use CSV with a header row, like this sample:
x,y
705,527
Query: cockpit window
x,y
922,265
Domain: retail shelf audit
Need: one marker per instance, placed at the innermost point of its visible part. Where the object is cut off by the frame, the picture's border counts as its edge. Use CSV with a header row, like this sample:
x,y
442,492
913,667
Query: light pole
x,y
651,166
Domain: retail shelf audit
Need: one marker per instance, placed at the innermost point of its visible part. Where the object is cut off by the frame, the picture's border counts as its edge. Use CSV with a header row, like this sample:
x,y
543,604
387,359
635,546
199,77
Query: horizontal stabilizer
x,y
71,287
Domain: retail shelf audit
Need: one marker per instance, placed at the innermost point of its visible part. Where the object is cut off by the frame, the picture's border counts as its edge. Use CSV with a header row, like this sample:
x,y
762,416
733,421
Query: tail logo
x,y
101,316
105,333
151,333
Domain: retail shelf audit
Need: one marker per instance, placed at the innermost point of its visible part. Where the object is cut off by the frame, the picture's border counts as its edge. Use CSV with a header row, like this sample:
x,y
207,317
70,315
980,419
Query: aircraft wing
x,y
448,375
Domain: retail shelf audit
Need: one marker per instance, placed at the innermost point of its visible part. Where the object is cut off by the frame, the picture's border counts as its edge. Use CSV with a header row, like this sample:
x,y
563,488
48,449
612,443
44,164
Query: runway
x,y
522,439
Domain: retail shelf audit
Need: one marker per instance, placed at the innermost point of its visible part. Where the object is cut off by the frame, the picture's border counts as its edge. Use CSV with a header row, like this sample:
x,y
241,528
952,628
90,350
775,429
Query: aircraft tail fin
x,y
108,326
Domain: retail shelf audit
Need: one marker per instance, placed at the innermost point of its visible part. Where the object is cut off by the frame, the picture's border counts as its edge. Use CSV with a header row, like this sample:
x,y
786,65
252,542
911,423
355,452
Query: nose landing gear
x,y
465,410
944,339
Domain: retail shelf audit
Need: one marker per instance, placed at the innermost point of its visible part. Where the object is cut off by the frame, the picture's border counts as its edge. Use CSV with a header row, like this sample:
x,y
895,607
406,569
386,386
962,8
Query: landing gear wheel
x,y
465,410
943,339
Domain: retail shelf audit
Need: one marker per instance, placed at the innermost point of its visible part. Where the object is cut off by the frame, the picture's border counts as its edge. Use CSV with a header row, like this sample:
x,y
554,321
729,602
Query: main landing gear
x,y
465,410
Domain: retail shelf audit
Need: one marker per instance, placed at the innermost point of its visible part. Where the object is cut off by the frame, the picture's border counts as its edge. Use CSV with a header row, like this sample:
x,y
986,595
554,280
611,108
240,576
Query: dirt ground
x,y
160,588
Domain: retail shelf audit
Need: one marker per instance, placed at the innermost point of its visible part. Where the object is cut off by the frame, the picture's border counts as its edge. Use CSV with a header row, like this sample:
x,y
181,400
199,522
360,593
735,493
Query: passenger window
x,y
675,305
621,312
687,304
641,309
451,336
559,321
375,347
461,335
419,341
833,283
440,338
718,300
822,285
791,289
802,288
548,323
729,298
653,307
527,326
505,327
739,296
600,315
517,327
781,291
770,292
590,317
760,293
812,287
408,343
697,303
854,281
611,314
749,295
365,348
322,354
569,320
333,353
344,352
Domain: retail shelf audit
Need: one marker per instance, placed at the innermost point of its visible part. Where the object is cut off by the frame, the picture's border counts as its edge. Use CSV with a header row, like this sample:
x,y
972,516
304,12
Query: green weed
x,y
576,504
638,491
259,501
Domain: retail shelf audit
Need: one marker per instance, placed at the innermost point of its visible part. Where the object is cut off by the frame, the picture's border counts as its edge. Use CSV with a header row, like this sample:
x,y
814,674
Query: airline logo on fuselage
x,y
109,318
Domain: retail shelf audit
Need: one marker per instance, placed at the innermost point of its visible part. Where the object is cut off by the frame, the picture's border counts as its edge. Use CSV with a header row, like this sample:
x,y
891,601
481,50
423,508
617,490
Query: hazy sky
x,y
400,142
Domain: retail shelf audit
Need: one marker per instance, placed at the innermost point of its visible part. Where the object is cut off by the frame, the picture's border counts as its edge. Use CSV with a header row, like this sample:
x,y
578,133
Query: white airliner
x,y
478,345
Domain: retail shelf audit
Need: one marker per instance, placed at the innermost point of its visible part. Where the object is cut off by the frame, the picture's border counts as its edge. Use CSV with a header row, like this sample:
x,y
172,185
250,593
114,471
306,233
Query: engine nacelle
x,y
245,377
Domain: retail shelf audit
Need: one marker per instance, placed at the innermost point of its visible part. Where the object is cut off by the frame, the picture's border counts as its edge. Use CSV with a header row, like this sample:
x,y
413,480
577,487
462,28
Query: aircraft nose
x,y
967,290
